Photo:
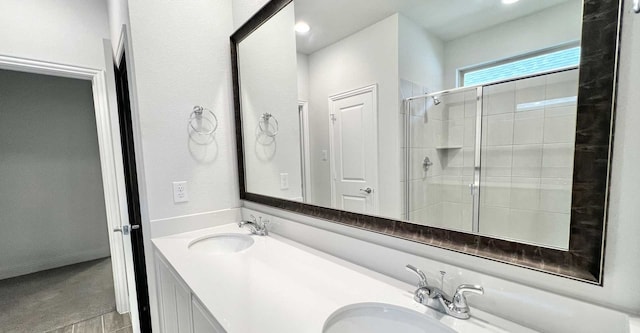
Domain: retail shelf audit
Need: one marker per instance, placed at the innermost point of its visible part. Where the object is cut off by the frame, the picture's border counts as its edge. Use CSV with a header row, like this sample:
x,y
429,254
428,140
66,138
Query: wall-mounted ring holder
x,y
203,121
268,125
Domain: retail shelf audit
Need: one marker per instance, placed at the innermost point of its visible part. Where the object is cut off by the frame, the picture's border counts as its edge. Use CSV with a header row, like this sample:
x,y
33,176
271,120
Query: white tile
x,y
471,103
417,107
555,195
499,129
465,190
435,111
560,129
499,98
570,76
454,132
432,133
417,134
547,229
416,156
417,189
495,191
528,127
530,90
433,215
451,189
433,193
557,160
527,161
452,215
566,85
494,221
455,111
565,110
553,230
525,193
467,219
496,161
469,139
468,163
523,225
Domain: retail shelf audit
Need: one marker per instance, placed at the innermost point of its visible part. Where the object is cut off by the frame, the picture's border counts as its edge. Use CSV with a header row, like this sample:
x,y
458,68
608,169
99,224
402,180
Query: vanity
x,y
224,279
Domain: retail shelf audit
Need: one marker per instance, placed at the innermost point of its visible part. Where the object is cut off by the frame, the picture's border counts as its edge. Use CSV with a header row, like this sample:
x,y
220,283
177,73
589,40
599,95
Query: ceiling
x,y
332,20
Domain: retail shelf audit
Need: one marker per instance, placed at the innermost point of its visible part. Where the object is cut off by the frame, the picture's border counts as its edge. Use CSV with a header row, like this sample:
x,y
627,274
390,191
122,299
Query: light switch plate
x,y
180,193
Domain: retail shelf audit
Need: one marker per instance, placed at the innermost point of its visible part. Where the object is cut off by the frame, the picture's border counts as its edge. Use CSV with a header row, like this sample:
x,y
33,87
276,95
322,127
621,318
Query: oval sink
x,y
381,318
221,243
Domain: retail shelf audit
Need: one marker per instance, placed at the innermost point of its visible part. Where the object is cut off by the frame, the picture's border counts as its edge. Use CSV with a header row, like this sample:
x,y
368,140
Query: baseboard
x,y
186,223
53,262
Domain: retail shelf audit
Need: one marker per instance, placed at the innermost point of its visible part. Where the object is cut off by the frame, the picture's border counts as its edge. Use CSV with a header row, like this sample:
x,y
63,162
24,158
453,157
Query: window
x,y
521,66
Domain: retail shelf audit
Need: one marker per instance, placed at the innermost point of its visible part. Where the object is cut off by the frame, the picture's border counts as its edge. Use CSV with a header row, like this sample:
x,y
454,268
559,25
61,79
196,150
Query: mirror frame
x,y
593,147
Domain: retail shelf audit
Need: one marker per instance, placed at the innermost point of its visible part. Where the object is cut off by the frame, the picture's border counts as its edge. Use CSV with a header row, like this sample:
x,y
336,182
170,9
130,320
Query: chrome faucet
x,y
257,227
455,306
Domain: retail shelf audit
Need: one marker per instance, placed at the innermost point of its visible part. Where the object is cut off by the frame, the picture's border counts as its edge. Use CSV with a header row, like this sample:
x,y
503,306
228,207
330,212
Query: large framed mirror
x,y
481,127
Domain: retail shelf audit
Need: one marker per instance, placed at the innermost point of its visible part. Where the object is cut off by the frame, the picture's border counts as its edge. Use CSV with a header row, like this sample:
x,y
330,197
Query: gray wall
x,y
51,199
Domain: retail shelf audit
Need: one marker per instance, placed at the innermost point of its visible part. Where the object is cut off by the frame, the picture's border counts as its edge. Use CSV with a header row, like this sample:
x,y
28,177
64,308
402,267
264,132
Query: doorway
x,y
56,266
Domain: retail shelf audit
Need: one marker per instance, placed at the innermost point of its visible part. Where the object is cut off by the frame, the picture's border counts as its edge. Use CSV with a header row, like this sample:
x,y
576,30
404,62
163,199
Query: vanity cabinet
x,y
180,311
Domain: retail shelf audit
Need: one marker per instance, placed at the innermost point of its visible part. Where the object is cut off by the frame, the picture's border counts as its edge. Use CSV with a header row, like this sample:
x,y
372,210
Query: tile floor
x,y
111,322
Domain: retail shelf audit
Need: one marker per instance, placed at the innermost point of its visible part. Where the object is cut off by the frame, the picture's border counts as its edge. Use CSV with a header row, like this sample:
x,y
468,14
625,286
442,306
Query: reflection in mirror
x,y
459,115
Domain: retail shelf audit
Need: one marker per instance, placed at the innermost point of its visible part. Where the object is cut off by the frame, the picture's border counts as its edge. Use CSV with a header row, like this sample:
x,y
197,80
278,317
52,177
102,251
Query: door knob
x,y
367,190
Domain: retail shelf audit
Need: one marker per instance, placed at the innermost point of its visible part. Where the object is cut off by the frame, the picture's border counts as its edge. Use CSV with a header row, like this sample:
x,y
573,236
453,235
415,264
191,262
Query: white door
x,y
354,150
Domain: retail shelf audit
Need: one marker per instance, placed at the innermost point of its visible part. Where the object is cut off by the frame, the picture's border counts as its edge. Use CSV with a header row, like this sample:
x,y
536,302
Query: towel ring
x,y
198,114
265,124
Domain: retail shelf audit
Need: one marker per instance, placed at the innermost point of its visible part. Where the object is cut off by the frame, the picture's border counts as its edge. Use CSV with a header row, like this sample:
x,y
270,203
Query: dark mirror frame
x,y
593,146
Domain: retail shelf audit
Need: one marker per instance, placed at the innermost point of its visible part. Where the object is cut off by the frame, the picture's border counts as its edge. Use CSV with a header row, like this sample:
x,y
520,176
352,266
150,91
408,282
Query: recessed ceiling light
x,y
508,2
302,27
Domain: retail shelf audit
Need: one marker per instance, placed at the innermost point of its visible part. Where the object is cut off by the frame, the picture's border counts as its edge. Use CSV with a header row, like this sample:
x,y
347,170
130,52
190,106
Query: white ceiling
x,y
332,20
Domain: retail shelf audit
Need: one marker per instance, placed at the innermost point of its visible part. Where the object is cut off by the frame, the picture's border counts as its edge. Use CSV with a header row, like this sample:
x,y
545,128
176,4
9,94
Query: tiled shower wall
x,y
527,158
527,148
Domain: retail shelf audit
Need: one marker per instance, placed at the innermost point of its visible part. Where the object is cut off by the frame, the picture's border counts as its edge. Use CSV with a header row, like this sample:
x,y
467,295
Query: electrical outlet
x,y
284,181
180,193
325,155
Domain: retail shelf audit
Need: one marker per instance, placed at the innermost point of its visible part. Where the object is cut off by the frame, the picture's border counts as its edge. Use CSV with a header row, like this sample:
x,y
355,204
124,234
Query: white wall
x,y
49,31
546,28
303,76
421,55
54,213
118,15
244,9
268,85
367,57
524,295
181,59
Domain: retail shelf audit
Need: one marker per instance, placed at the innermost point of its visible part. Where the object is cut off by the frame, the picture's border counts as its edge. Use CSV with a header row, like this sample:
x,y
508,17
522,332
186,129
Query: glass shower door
x,y
442,159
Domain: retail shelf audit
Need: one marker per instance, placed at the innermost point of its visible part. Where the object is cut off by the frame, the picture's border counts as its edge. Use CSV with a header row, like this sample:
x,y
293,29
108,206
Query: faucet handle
x,y
459,299
423,278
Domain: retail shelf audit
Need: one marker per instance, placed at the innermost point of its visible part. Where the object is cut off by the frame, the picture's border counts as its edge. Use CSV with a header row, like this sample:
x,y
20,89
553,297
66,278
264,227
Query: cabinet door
x,y
174,300
203,322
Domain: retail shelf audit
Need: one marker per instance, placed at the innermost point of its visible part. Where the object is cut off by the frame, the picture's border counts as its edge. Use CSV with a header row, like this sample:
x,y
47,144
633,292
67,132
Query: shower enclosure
x,y
494,159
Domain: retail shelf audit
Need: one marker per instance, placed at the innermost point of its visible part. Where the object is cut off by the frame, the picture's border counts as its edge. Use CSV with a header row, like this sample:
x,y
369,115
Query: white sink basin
x,y
221,243
381,318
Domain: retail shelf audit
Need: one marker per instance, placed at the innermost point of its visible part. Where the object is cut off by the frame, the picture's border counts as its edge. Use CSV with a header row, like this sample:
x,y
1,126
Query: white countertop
x,y
281,286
